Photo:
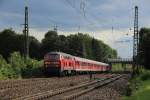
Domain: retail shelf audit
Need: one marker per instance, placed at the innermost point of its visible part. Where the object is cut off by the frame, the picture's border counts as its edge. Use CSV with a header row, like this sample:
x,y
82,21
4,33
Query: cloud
x,y
11,14
100,17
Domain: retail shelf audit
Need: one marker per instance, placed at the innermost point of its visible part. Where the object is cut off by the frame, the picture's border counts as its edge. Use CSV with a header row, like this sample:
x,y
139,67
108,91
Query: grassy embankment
x,y
140,87
119,67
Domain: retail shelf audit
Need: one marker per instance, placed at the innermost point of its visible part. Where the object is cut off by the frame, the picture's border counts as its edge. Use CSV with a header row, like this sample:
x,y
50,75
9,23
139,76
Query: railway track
x,y
17,88
71,92
90,88
8,84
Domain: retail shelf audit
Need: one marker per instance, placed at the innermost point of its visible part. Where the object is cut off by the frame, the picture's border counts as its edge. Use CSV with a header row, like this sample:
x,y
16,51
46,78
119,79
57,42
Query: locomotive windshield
x,y
54,56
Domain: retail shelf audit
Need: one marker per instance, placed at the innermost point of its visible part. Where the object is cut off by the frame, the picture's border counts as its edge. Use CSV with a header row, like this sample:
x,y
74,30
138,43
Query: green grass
x,y
143,93
118,67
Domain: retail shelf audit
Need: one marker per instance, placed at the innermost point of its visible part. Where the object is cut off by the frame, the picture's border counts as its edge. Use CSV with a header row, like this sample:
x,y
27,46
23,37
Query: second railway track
x,y
11,89
71,92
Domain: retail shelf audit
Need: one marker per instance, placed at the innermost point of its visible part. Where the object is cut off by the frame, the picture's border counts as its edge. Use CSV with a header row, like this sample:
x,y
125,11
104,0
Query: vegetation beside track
x,y
119,67
18,67
139,87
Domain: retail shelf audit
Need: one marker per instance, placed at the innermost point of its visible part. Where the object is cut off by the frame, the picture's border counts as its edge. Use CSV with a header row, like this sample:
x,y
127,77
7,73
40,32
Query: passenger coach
x,y
58,63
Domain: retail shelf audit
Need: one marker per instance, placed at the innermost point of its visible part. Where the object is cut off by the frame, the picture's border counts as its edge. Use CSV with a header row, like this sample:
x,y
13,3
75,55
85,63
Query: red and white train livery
x,y
58,63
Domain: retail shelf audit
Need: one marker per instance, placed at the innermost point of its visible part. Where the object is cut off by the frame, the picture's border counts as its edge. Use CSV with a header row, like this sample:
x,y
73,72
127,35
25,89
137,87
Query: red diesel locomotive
x,y
58,63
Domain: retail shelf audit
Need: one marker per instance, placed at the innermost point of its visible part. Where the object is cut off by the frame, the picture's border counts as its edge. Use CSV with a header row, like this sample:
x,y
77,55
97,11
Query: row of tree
x,y
144,47
78,44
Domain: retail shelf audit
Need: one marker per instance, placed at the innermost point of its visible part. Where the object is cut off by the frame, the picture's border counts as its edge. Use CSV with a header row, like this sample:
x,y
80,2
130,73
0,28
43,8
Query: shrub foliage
x,y
18,67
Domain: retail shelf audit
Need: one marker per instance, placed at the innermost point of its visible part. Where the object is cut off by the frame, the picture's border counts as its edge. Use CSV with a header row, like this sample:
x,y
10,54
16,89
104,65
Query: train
x,y
59,63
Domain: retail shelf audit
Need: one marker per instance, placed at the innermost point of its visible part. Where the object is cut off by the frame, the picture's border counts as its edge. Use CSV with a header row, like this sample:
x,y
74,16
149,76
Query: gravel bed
x,y
33,86
112,91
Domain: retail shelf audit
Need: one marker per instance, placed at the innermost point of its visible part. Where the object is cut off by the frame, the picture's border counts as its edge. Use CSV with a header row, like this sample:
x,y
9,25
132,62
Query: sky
x,y
108,20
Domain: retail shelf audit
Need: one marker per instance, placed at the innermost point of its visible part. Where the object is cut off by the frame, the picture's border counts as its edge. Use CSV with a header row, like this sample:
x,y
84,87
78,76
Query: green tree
x,y
79,44
10,42
34,48
144,47
49,43
7,42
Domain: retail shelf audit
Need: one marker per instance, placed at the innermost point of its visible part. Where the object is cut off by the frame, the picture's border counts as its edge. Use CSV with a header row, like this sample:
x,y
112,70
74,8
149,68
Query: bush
x,y
33,68
145,75
18,67
6,71
17,63
129,89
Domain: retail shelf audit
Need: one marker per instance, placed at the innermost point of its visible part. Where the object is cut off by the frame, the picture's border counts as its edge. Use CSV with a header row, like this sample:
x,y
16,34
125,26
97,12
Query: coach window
x,y
69,63
77,63
80,63
84,64
89,64
63,63
68,57
65,57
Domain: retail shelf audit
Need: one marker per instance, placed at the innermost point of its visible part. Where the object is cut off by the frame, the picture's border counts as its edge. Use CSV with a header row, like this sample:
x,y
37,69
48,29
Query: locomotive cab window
x,y
54,56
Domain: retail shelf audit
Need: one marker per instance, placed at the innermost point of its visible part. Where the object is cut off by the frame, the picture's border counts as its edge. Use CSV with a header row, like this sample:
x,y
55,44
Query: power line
x,y
82,6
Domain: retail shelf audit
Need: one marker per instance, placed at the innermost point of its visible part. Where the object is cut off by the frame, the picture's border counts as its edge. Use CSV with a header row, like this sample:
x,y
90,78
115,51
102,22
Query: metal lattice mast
x,y
135,41
26,34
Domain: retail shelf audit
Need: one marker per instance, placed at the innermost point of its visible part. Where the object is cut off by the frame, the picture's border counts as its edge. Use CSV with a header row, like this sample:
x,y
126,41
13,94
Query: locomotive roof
x,y
61,53
79,58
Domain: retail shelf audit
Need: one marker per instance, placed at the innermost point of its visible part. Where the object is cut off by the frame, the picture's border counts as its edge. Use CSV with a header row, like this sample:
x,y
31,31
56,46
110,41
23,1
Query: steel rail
x,y
48,94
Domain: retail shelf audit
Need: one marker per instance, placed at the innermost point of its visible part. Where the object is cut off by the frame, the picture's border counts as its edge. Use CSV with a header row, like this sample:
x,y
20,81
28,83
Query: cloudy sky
x,y
108,20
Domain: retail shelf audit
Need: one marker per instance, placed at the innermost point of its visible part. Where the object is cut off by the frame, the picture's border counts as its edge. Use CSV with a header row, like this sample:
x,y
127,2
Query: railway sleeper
x,y
48,94
73,96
